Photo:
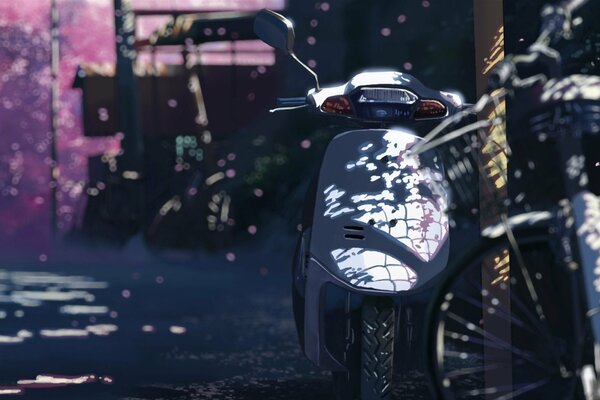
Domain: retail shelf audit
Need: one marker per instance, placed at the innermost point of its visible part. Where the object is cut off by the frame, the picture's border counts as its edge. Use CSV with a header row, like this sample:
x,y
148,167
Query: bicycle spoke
x,y
470,339
535,328
500,311
540,327
472,370
494,339
524,389
515,247
470,351
528,282
499,389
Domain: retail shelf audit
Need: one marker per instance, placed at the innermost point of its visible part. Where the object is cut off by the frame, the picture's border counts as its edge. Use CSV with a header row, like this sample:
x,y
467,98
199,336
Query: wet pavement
x,y
152,331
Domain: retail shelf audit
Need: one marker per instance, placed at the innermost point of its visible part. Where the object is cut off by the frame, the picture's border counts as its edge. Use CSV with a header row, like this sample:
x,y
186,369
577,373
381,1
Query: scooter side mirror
x,y
275,30
278,31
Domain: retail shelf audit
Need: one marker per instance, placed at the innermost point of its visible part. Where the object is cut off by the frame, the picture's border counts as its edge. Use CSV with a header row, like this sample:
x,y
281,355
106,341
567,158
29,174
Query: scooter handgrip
x,y
291,101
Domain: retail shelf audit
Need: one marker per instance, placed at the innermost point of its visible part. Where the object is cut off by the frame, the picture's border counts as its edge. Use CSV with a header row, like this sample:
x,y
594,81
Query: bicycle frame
x,y
585,225
568,121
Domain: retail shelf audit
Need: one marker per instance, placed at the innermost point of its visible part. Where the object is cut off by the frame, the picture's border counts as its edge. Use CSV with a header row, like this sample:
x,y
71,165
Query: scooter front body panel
x,y
380,212
379,225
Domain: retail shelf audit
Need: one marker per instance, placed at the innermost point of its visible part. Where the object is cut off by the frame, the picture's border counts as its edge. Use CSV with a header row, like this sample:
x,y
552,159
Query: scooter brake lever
x,y
274,110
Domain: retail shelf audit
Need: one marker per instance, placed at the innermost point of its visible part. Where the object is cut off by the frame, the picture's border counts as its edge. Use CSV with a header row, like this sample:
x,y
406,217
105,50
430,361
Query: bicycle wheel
x,y
499,331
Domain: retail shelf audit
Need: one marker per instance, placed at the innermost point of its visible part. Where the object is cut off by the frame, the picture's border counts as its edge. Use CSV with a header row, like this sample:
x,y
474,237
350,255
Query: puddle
x,y
51,306
49,381
97,330
70,296
10,391
84,310
46,381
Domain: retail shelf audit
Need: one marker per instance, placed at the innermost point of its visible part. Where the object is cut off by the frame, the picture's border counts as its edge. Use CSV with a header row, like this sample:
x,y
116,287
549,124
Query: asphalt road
x,y
211,329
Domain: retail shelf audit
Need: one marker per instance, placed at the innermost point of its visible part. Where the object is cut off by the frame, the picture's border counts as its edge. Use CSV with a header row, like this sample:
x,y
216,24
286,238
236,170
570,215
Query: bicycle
x,y
517,316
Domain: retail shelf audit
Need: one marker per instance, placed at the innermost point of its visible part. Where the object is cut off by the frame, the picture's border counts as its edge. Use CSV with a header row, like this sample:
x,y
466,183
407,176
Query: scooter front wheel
x,y
377,349
372,378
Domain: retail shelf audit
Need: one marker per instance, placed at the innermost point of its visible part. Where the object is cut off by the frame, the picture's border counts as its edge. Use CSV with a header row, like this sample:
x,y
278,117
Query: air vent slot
x,y
353,228
354,236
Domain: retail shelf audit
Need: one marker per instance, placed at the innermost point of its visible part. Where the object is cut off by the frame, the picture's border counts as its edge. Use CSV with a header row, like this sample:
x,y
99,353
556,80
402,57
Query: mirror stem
x,y
313,73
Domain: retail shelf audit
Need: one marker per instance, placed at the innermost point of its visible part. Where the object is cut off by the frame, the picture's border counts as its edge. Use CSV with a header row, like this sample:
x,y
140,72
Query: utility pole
x,y
54,105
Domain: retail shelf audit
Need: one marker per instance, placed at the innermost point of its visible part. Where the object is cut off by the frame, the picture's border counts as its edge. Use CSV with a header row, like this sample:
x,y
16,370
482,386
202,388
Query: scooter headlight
x,y
372,269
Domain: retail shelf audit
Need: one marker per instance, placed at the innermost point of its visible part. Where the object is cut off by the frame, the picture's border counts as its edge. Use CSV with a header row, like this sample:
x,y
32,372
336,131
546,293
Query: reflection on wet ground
x,y
152,332
27,295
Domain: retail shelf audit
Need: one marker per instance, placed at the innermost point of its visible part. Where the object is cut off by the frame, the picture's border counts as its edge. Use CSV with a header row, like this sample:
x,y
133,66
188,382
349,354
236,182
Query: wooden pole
x,y
127,207
495,283
127,90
